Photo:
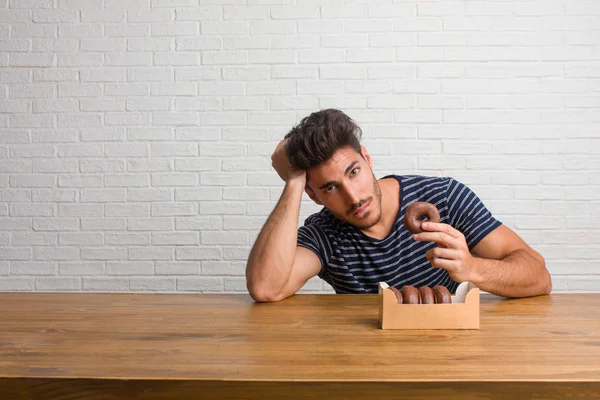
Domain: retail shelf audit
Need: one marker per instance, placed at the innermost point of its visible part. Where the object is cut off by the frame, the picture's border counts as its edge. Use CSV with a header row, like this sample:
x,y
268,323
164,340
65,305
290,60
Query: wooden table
x,y
153,346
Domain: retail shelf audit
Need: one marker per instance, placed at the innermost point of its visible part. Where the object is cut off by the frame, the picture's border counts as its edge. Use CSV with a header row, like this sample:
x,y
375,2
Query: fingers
x,y
452,252
282,165
441,238
280,161
441,227
438,252
278,149
449,265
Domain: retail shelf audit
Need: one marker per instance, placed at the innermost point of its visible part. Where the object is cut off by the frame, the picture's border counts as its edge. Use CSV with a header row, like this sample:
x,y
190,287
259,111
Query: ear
x,y
312,195
366,156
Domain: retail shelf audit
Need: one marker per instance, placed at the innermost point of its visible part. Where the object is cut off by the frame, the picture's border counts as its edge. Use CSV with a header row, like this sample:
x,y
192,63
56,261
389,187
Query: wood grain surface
x,y
160,346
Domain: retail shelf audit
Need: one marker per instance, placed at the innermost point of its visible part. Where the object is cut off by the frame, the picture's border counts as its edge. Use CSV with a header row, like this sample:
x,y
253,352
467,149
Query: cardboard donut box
x,y
462,313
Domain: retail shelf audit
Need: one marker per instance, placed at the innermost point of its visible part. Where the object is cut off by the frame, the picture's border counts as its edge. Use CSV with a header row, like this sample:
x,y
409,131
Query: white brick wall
x,y
136,135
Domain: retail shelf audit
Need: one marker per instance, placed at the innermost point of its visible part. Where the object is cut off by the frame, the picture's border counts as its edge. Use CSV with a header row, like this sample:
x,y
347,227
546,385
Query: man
x,y
358,239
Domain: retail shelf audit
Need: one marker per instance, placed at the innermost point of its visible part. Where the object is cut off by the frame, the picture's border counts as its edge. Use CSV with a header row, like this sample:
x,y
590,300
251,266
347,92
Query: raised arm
x,y
277,268
501,263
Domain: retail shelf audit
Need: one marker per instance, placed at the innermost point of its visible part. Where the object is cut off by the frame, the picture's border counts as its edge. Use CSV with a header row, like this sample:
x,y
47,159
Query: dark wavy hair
x,y
317,137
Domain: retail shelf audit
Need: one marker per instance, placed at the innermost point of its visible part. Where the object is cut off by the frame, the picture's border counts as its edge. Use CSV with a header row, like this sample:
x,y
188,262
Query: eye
x,y
329,189
354,171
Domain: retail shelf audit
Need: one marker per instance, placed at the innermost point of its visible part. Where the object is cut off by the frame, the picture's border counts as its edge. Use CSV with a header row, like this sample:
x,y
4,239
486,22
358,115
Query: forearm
x,y
272,256
520,274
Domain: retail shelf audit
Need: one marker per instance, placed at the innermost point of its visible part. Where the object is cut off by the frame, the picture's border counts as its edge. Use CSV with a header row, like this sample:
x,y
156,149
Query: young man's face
x,y
346,186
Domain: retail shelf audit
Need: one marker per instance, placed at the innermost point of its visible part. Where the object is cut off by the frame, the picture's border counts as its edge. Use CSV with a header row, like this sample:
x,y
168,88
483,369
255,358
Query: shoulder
x,y
323,219
424,188
418,181
327,225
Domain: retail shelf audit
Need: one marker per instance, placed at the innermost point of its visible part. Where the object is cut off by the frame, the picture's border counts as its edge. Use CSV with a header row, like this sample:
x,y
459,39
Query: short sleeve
x,y
312,237
468,214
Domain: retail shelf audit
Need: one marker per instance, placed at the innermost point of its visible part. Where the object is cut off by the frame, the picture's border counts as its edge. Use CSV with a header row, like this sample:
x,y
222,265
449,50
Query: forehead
x,y
334,168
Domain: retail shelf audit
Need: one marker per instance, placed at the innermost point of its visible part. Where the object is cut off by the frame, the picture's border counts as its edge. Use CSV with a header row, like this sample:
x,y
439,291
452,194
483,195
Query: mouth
x,y
362,210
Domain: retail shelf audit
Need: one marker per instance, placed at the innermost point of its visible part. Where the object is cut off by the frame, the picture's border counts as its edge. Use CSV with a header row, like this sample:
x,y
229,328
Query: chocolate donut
x,y
442,295
418,210
397,293
427,296
410,295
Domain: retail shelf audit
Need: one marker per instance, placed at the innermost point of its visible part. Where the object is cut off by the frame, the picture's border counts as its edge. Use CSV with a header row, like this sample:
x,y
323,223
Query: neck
x,y
389,208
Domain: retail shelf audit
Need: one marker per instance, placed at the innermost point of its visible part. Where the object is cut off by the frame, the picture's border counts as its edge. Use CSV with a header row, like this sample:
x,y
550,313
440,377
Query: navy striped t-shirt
x,y
352,262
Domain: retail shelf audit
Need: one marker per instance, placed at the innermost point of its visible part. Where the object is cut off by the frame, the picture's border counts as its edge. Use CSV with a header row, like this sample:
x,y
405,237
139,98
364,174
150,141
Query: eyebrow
x,y
346,172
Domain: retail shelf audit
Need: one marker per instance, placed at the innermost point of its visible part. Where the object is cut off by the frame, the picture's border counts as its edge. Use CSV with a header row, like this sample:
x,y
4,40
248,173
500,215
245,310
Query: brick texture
x,y
135,135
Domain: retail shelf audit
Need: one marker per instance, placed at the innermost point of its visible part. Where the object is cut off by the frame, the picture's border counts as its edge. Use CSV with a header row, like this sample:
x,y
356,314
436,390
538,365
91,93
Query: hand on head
x,y
281,164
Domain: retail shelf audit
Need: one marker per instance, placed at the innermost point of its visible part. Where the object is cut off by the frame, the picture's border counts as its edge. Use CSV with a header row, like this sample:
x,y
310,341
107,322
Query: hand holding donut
x,y
452,252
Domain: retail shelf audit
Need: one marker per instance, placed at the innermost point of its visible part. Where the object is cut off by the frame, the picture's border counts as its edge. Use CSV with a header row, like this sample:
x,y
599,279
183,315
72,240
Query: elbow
x,y
546,286
539,280
546,281
262,293
548,289
262,289
264,296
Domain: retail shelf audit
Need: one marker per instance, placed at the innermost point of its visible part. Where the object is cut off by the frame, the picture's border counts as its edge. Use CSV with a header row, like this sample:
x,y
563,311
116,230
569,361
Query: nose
x,y
352,195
